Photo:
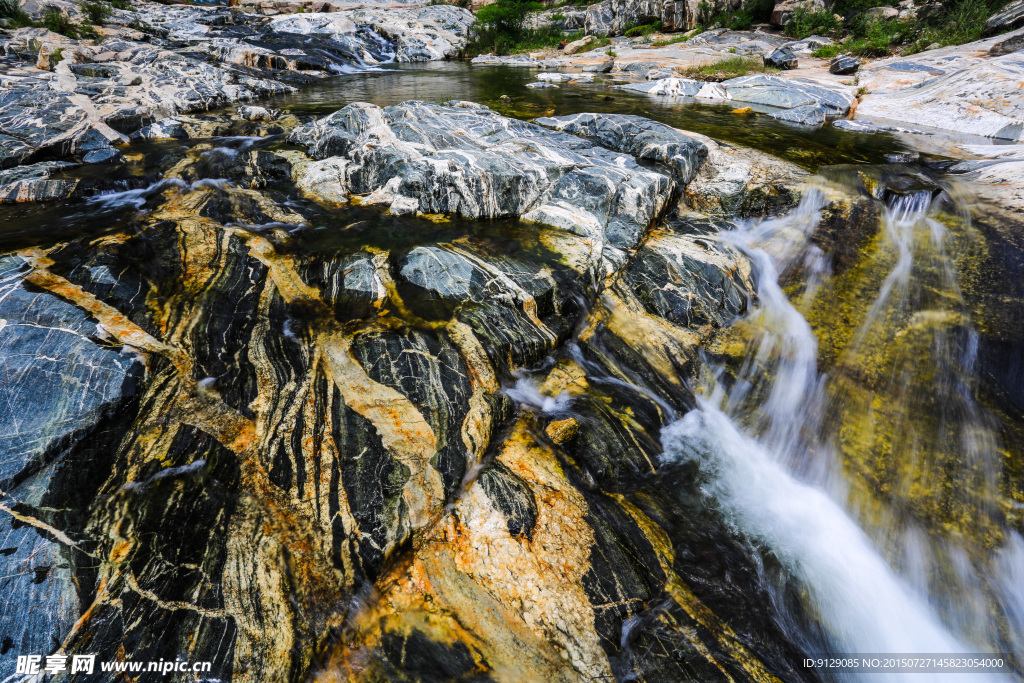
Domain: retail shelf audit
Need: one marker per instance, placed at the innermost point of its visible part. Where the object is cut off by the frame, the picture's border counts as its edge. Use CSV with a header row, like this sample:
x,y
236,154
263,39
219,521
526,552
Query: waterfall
x,y
764,451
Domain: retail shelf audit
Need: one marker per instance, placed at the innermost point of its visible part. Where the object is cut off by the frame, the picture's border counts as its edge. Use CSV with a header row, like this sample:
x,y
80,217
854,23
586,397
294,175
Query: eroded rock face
x,y
468,160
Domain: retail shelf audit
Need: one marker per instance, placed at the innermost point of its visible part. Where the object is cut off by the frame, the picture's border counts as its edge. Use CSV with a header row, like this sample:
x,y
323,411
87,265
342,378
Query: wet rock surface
x,y
324,458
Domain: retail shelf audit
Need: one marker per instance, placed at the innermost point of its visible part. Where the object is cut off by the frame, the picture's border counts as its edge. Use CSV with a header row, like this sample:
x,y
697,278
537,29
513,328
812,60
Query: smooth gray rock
x,y
642,138
787,93
843,65
32,183
807,115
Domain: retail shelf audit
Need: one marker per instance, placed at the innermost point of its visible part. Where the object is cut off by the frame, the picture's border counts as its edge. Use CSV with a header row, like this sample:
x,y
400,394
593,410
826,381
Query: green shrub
x,y
507,17
705,14
805,22
733,67
634,30
95,12
10,10
829,51
558,16
122,4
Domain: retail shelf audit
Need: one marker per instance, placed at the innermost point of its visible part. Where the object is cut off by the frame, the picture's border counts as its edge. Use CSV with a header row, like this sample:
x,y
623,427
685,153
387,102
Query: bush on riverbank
x,y
858,33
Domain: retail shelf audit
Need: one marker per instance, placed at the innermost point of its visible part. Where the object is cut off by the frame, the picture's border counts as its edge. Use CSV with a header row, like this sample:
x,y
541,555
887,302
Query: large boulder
x,y
976,96
465,159
62,385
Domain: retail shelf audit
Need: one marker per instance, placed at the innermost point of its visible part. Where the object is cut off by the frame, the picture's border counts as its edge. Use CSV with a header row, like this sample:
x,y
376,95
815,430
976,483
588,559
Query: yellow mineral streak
x,y
402,428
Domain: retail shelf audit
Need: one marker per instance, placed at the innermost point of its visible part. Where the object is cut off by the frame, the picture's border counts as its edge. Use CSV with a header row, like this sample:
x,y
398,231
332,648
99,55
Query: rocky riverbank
x,y
77,101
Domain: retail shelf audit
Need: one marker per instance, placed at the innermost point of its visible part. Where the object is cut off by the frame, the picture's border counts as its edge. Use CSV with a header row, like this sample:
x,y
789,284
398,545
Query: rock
x,y
61,93
807,115
962,89
642,138
672,276
876,13
562,431
783,11
843,65
577,45
101,156
251,113
505,60
789,93
1012,44
64,390
601,67
1011,17
32,183
541,84
473,162
782,58
684,87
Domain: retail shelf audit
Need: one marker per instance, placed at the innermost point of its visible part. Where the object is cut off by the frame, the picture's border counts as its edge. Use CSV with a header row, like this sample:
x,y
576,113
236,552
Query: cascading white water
x,y
770,471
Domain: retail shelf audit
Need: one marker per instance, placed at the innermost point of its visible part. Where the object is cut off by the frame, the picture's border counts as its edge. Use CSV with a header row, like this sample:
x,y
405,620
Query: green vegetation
x,y
670,41
754,12
501,29
58,22
726,69
10,10
634,30
96,12
958,22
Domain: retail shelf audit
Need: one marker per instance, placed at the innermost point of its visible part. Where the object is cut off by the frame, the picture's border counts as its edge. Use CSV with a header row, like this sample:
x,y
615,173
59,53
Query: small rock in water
x,y
251,113
541,84
505,98
562,431
781,58
843,65
99,156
